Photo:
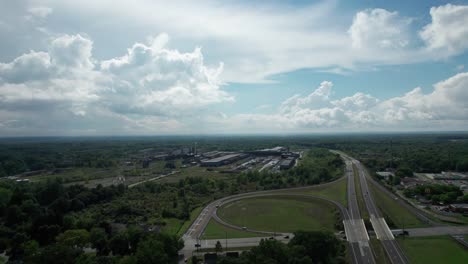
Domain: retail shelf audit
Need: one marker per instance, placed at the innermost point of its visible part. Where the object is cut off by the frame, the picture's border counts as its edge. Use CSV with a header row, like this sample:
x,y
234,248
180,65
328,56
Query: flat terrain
x,y
398,215
335,191
436,249
214,230
280,214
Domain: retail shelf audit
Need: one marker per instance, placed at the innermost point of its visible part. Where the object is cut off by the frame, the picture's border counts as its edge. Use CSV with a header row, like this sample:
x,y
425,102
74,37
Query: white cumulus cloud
x,y
379,28
447,32
445,107
147,87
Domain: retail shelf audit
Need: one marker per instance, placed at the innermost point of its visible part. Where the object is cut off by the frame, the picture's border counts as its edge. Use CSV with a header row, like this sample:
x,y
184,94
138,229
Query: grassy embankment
x,y
399,216
436,249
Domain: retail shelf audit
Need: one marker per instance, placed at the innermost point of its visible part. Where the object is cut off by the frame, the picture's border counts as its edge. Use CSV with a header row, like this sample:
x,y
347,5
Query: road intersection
x,y
355,229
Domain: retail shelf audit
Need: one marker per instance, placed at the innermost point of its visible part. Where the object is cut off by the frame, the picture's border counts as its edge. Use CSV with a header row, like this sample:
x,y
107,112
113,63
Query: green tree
x,y
74,238
119,245
321,247
218,247
134,235
151,250
59,254
5,196
404,172
99,241
31,251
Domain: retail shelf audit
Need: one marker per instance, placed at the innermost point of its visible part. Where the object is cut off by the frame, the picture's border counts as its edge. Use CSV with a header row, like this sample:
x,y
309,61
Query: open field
x,y
280,214
335,191
437,249
399,216
196,171
91,177
214,230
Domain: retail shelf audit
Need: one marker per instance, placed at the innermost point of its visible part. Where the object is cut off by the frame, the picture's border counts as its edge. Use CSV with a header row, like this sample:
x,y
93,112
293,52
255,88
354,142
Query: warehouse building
x,y
223,160
287,163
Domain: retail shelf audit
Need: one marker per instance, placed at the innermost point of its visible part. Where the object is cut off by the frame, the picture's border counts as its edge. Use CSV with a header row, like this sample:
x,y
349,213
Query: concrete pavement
x,y
383,232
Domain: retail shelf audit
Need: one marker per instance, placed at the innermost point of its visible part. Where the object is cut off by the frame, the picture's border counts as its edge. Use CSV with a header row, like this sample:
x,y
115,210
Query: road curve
x,y
343,210
191,237
199,224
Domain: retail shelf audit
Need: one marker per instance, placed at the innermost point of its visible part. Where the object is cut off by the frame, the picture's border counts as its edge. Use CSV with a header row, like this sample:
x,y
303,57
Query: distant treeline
x,y
420,152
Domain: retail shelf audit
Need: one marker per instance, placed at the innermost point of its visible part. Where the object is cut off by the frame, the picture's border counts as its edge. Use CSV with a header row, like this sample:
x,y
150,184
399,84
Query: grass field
x,y
280,214
214,230
335,191
399,216
195,171
437,249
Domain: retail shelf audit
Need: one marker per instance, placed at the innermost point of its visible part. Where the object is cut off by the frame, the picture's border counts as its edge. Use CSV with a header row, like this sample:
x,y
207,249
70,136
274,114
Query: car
x,y
271,238
244,228
286,237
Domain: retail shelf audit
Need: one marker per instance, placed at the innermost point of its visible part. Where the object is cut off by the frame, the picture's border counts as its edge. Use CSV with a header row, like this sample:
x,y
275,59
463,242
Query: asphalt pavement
x,y
355,229
383,232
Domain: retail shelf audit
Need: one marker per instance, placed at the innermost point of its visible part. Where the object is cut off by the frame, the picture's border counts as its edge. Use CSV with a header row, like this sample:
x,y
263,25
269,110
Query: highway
x,y
379,224
355,230
356,233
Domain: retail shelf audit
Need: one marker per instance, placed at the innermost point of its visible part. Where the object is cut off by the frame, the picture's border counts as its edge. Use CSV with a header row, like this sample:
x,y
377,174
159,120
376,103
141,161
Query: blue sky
x,y
194,67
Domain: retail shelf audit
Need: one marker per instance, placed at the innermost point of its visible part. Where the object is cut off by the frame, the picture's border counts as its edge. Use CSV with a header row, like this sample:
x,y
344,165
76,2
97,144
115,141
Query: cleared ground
x,y
437,249
280,214
215,230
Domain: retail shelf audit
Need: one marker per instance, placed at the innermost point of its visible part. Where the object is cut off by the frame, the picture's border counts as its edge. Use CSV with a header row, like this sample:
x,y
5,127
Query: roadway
x,y
379,224
356,232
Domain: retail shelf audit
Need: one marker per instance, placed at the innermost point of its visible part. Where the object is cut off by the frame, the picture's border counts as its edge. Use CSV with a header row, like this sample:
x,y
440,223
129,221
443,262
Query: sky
x,y
141,67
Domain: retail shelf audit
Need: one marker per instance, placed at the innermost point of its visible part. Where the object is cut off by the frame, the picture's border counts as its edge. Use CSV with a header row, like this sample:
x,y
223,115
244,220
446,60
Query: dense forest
x,y
37,226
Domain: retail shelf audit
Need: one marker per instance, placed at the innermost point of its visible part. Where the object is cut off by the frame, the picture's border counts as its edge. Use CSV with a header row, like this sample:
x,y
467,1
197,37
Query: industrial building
x,y
223,160
287,163
276,151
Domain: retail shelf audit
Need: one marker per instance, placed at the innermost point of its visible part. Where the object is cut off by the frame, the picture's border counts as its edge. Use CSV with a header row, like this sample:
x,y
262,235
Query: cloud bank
x,y
64,85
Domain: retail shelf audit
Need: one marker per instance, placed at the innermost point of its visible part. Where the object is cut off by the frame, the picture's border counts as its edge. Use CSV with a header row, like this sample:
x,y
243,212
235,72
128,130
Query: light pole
x,y
226,247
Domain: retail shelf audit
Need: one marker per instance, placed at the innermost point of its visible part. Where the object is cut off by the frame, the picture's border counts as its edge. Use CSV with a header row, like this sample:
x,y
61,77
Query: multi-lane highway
x,y
356,232
379,224
355,229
